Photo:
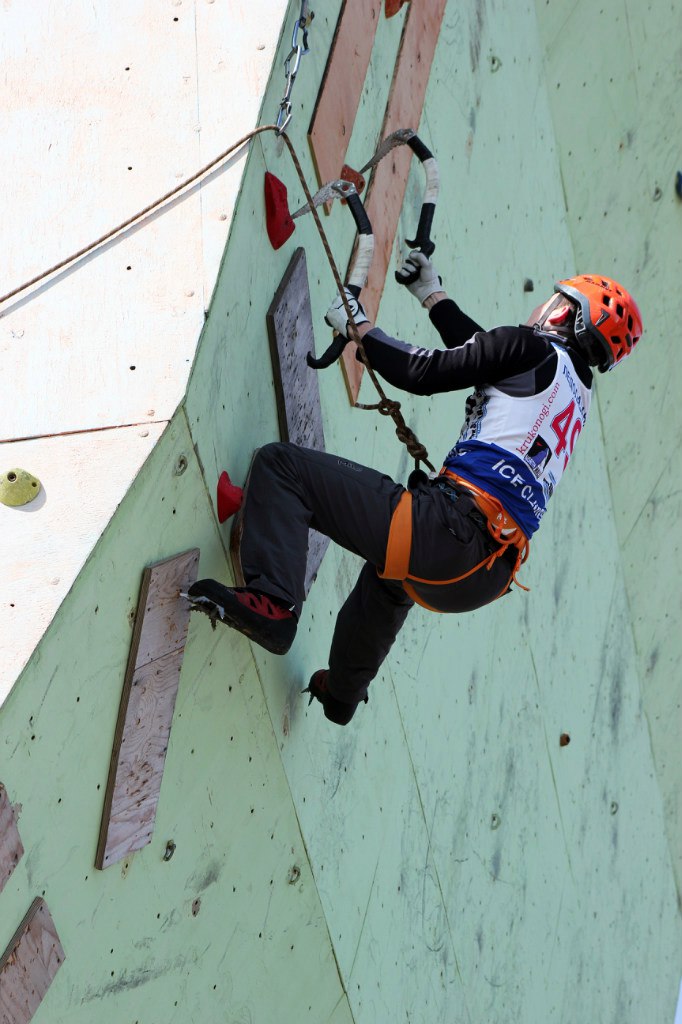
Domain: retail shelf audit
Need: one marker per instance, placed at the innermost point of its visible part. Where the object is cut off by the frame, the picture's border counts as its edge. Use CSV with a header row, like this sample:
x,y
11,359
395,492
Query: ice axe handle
x,y
357,278
360,217
423,240
421,151
337,346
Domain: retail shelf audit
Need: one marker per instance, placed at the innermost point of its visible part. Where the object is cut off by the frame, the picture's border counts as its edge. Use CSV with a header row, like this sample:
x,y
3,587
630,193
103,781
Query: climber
x,y
452,543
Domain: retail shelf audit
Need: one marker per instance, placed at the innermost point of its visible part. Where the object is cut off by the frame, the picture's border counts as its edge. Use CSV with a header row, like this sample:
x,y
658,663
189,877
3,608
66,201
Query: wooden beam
x,y
28,965
337,101
11,847
389,180
146,711
290,330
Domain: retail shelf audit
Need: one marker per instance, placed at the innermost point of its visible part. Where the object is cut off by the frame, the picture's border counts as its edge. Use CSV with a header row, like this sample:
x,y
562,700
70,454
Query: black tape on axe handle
x,y
419,149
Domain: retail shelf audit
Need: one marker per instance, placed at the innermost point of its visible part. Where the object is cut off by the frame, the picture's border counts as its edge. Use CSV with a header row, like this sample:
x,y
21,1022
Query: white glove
x,y
419,276
336,315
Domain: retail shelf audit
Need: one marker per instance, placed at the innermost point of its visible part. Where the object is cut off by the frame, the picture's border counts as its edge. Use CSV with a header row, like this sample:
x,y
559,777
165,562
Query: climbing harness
x,y
500,525
297,51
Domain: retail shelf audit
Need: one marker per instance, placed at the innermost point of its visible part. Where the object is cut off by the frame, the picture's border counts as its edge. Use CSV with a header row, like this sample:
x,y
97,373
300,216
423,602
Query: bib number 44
x,y
567,428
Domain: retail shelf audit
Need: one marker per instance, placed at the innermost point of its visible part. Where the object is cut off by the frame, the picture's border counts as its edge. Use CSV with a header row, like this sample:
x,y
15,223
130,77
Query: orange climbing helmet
x,y
608,323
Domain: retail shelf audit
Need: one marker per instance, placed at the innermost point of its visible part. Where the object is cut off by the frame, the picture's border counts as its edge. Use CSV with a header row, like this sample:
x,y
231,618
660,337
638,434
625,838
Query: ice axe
x,y
407,137
341,189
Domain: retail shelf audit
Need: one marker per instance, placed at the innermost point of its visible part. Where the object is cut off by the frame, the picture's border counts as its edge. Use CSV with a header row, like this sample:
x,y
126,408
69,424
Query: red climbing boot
x,y
335,710
264,619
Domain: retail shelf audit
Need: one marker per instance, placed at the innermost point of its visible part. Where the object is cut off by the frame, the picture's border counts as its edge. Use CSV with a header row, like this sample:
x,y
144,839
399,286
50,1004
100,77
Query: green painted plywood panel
x,y
618,172
486,923
140,945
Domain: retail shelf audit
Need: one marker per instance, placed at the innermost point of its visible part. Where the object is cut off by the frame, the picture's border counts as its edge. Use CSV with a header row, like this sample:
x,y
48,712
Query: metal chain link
x,y
291,70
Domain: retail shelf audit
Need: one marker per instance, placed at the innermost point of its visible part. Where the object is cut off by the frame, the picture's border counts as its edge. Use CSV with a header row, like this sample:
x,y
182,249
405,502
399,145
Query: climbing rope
x,y
150,208
385,406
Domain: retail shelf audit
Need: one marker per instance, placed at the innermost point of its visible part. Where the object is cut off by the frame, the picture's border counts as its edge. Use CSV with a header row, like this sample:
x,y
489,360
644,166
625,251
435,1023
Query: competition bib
x,y
517,448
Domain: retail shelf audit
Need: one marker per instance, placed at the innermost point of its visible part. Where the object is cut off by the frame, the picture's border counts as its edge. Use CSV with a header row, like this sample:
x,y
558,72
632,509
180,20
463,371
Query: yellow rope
x,y
386,406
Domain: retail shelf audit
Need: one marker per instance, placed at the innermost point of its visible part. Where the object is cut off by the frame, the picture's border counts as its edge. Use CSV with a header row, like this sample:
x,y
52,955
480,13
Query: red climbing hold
x,y
278,220
393,6
229,497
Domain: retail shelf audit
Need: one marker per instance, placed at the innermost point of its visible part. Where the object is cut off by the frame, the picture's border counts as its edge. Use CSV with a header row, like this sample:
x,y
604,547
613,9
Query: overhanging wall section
x,y
514,859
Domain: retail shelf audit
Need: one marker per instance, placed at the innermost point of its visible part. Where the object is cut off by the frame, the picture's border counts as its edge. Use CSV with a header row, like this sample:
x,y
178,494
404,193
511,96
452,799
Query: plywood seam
x,y
299,827
551,765
223,535
428,834
86,430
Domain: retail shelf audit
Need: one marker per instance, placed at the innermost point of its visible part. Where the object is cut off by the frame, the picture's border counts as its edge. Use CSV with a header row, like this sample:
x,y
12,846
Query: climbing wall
x,y
487,841
630,193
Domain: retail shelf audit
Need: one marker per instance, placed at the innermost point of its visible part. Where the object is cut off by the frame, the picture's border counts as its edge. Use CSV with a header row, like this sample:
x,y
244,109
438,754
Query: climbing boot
x,y
265,620
335,710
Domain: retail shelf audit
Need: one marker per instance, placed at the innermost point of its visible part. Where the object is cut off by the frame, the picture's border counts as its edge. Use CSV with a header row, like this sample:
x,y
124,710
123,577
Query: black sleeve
x,y
454,326
485,358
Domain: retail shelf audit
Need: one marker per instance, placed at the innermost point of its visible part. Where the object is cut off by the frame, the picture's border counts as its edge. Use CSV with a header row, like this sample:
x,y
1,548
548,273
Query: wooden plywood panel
x,y
344,77
28,965
144,312
146,711
163,625
11,847
290,329
389,180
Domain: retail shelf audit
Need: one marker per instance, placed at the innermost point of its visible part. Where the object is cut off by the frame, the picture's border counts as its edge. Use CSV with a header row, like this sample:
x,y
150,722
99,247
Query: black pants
x,y
291,489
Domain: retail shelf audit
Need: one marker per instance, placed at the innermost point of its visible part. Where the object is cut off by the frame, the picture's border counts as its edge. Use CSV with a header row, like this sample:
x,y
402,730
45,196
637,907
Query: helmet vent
x,y
619,309
606,299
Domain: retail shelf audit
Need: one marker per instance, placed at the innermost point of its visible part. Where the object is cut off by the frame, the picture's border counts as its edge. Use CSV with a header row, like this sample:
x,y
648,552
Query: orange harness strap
x,y
398,549
501,526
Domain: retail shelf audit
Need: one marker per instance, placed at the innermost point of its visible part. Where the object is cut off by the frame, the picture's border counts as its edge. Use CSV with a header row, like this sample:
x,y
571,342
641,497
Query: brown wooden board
x,y
337,102
11,847
290,329
146,711
389,180
28,965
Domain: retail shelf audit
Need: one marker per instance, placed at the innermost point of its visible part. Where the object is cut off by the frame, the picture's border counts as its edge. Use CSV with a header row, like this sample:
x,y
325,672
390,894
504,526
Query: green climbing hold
x,y
17,487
